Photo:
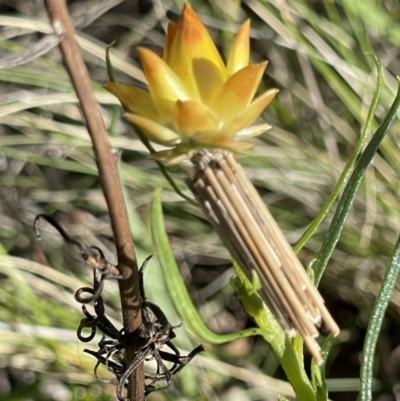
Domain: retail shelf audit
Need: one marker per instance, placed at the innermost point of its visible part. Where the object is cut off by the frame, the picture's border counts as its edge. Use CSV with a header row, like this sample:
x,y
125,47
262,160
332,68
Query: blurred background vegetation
x,y
320,59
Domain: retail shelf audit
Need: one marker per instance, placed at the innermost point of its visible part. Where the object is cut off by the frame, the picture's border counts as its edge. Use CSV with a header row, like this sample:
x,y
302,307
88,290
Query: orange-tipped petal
x,y
239,91
192,117
162,81
134,99
154,131
240,50
251,113
194,100
171,31
192,41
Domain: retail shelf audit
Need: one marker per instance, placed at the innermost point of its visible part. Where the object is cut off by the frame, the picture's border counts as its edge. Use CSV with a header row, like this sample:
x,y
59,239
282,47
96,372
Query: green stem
x,y
295,374
375,324
172,182
274,335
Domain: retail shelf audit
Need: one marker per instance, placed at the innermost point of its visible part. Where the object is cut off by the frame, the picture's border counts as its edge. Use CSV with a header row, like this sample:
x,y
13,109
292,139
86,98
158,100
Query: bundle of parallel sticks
x,y
250,233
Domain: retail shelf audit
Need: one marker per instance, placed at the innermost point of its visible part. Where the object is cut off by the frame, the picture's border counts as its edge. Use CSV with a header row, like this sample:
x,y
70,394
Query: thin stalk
x,y
348,168
375,324
351,189
110,181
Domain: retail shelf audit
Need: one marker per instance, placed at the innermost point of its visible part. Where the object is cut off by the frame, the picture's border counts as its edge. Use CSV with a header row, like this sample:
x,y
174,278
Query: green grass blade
x,y
349,166
375,324
349,193
176,286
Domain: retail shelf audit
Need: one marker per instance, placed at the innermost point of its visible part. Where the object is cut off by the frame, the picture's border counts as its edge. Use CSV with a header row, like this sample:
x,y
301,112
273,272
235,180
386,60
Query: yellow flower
x,y
195,100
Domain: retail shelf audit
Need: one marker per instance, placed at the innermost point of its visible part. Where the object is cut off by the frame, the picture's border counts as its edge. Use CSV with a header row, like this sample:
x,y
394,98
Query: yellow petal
x,y
250,114
192,41
239,91
162,81
165,109
213,138
134,99
240,51
253,130
240,146
192,117
179,158
172,156
208,79
162,155
154,131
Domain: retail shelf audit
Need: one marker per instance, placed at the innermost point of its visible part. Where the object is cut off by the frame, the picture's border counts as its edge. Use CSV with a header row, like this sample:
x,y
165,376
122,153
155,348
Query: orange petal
x,y
154,131
240,50
192,41
134,99
239,91
251,113
171,31
162,81
192,117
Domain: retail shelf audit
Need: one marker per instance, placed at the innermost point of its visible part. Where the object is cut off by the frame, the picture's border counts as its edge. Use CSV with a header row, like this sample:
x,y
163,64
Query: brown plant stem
x,y
112,188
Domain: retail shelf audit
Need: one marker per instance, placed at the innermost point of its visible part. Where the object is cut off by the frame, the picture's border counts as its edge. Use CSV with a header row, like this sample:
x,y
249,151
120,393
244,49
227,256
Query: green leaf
x,y
286,350
176,286
349,193
348,168
375,324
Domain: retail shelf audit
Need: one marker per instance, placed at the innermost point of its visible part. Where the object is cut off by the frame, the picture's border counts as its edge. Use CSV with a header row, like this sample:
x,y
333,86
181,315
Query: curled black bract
x,y
149,340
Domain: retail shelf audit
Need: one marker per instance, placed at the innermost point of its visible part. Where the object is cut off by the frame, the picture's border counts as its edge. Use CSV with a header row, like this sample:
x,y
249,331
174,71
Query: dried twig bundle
x,y
253,238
